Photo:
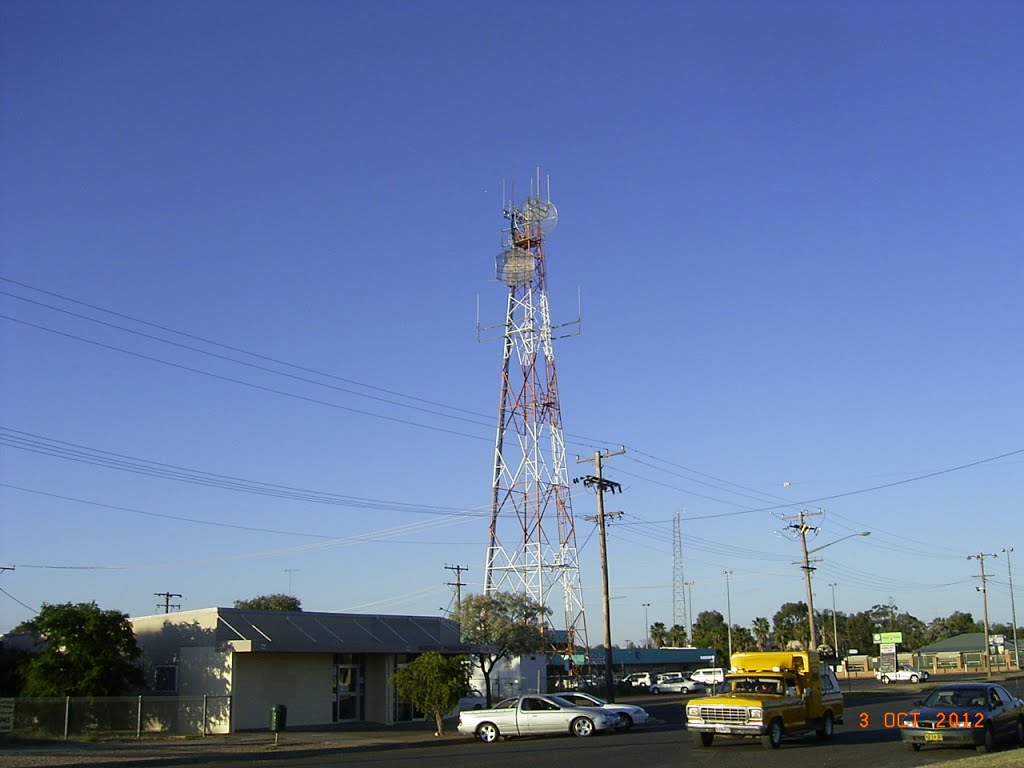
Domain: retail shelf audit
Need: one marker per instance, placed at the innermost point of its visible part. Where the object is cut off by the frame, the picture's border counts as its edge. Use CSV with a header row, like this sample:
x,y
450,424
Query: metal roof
x,y
970,641
304,632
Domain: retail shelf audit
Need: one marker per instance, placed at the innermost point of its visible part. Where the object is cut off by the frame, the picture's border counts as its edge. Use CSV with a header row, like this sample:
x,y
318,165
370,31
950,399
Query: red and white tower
x,y
532,539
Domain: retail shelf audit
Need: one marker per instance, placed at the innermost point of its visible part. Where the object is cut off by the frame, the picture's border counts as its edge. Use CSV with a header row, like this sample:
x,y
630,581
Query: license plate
x,y
723,729
933,737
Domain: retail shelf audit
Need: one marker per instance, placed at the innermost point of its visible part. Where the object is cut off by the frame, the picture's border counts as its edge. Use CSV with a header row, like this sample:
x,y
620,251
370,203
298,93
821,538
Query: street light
x,y
1013,609
728,608
803,528
835,625
647,627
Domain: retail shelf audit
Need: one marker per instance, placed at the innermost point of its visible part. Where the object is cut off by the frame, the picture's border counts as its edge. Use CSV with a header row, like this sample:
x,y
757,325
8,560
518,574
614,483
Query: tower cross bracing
x,y
531,540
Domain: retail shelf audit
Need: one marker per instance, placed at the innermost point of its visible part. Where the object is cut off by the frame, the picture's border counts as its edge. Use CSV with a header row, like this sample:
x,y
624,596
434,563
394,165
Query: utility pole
x,y
601,485
167,600
457,570
802,528
1013,609
728,610
980,557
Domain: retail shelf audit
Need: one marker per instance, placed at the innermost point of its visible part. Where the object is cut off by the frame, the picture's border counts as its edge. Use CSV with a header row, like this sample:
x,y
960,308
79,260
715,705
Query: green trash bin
x,y
278,718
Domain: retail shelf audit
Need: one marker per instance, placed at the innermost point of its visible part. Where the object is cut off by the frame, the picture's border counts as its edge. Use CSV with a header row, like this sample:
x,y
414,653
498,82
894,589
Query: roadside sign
x,y
888,637
6,715
887,648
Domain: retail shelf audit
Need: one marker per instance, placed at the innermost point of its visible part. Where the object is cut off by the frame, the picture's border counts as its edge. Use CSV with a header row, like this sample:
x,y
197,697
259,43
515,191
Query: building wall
x,y
379,693
300,681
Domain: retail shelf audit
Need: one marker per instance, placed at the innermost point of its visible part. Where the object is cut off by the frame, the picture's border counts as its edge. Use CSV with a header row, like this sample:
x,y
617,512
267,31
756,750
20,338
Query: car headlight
x,y
693,711
755,713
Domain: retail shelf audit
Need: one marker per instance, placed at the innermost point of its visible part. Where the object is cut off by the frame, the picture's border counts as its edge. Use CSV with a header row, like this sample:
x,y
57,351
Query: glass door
x,y
348,703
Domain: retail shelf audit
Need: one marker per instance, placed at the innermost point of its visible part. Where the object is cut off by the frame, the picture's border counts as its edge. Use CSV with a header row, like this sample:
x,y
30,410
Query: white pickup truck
x,y
535,714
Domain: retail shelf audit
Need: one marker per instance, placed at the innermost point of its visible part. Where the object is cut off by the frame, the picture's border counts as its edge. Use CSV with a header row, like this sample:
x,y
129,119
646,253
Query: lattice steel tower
x,y
532,539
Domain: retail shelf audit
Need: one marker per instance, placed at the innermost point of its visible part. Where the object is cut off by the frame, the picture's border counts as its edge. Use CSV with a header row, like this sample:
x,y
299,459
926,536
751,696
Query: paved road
x,y
667,746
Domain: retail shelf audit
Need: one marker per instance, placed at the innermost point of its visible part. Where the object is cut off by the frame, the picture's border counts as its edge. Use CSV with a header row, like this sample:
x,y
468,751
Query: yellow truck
x,y
769,695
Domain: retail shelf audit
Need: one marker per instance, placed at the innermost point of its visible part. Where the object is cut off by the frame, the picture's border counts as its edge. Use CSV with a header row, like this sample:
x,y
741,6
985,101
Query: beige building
x,y
324,667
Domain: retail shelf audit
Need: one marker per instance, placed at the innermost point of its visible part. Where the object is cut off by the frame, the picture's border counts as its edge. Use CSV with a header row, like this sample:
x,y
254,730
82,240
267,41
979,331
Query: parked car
x,y
904,674
638,678
533,715
472,700
709,675
959,714
629,714
679,684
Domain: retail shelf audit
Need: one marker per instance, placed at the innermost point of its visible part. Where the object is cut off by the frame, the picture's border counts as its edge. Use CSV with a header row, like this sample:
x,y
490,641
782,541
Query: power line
x,y
845,494
136,465
241,382
204,340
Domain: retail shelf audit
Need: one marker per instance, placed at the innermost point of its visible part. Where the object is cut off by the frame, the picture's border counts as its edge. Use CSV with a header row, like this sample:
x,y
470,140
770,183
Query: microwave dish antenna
x,y
515,266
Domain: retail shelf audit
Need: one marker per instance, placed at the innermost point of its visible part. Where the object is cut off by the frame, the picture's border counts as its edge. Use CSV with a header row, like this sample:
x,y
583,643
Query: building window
x,y
166,679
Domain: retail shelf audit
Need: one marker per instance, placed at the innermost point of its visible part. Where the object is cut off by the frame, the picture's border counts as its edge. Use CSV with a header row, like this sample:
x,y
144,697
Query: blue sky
x,y
795,228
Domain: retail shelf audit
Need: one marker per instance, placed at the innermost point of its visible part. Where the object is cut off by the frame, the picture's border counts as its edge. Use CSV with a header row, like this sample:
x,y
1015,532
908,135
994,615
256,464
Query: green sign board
x,y
888,637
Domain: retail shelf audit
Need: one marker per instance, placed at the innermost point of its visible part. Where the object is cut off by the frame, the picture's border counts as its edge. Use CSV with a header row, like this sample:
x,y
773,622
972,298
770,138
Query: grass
x,y
1011,758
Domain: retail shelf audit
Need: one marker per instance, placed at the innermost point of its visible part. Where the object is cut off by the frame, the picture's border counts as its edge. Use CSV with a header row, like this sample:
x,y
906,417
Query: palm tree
x,y
659,634
762,632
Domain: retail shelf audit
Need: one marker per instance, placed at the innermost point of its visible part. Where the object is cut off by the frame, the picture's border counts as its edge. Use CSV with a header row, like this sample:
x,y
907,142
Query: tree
x,y
434,684
710,631
762,631
676,636
957,623
13,664
742,639
508,624
789,624
276,602
659,634
88,652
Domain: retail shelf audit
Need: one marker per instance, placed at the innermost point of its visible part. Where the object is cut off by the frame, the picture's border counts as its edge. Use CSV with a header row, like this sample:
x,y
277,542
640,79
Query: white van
x,y
709,675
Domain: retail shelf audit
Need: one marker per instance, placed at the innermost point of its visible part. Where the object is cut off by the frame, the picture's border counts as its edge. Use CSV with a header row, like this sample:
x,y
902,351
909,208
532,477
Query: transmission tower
x,y
678,578
531,545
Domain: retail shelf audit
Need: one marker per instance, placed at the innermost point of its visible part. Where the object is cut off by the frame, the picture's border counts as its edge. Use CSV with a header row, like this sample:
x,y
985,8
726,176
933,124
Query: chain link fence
x,y
117,716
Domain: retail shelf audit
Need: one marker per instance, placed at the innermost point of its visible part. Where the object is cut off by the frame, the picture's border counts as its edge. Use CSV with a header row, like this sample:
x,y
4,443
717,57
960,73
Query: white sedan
x,y
677,685
904,674
629,714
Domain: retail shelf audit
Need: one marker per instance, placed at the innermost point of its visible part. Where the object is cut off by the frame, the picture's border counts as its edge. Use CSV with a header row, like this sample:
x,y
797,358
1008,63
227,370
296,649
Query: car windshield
x,y
506,704
577,700
754,684
942,698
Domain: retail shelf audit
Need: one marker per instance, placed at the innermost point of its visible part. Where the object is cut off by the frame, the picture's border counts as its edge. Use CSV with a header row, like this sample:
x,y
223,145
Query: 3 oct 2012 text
x,y
942,720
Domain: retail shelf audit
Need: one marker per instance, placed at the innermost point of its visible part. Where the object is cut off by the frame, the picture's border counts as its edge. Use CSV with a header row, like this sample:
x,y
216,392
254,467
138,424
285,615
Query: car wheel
x,y
773,738
582,726
914,747
701,739
488,733
625,721
885,680
988,743
913,679
1020,733
827,726
655,690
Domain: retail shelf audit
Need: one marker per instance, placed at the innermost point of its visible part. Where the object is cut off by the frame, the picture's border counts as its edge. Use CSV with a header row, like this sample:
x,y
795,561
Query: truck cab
x,y
769,695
